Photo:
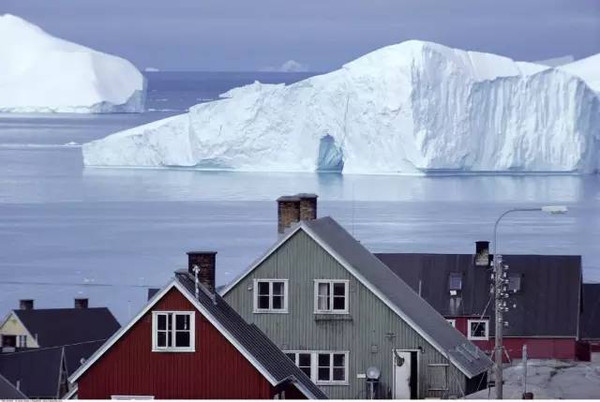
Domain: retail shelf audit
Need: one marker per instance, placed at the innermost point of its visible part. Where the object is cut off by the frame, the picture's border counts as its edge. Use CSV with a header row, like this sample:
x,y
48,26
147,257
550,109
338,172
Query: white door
x,y
402,374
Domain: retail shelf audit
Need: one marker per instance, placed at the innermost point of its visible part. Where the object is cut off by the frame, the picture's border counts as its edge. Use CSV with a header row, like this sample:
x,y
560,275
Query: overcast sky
x,y
248,35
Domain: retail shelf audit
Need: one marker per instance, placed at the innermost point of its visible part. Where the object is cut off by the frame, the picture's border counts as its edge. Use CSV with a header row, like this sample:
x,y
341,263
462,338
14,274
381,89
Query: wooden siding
x,y
369,332
216,370
13,326
537,347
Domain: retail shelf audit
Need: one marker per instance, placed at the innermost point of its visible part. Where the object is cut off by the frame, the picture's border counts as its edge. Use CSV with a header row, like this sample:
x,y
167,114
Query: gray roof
x,y
548,303
9,391
590,318
63,326
76,353
253,340
419,314
37,370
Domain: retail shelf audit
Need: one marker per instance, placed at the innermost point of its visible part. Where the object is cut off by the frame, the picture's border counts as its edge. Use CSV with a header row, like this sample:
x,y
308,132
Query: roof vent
x,y
152,292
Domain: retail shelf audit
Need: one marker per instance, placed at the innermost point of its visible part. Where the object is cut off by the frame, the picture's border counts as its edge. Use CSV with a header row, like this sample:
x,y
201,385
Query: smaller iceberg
x,y
40,73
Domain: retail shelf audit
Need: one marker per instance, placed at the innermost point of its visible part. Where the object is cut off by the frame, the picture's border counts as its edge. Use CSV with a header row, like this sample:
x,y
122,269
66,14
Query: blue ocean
x,y
108,234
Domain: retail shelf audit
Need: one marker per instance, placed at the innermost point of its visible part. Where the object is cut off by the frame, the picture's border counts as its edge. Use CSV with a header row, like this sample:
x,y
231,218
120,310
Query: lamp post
x,y
499,283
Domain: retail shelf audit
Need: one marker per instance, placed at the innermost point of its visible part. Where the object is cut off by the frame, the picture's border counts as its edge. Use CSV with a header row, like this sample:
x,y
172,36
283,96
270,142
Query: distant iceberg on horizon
x,y
410,108
40,73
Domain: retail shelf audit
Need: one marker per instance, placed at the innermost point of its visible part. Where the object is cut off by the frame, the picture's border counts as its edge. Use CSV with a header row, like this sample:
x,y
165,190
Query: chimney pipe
x,y
81,303
206,262
295,208
482,254
26,304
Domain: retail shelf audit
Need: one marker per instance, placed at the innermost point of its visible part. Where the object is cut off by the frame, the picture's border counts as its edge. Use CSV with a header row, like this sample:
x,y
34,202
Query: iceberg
x,y
41,73
587,69
410,108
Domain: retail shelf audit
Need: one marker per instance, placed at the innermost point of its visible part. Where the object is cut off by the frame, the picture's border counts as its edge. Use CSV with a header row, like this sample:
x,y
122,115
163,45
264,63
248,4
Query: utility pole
x,y
524,370
499,299
500,291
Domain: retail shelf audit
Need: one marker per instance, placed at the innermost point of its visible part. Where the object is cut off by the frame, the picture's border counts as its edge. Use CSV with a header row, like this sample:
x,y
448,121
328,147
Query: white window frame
x,y
191,348
21,341
331,282
314,365
452,322
478,338
271,310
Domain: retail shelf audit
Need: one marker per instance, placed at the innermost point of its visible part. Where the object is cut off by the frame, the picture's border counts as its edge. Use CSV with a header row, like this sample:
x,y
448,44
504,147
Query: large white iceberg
x,y
588,69
41,73
408,108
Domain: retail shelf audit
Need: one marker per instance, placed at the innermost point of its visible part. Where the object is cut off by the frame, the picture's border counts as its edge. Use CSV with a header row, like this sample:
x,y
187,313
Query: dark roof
x,y
252,339
548,303
74,354
37,370
590,318
9,391
424,318
63,326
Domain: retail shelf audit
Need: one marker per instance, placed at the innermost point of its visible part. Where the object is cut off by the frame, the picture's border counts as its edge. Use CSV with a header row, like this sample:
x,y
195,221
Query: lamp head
x,y
373,373
555,209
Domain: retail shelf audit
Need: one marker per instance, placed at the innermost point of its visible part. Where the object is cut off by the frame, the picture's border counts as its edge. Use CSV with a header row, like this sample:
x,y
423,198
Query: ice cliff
x,y
408,108
41,73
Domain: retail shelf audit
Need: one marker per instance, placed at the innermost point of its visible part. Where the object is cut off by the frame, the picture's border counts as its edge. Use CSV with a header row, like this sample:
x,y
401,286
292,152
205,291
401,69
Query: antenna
x,y
197,287
353,208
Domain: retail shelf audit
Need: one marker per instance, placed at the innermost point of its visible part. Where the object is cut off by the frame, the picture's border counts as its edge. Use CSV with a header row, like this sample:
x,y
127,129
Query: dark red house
x,y
545,298
589,325
188,343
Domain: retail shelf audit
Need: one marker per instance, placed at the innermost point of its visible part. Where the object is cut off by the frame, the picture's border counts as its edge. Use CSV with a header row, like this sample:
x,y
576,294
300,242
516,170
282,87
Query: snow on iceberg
x,y
413,107
587,69
41,73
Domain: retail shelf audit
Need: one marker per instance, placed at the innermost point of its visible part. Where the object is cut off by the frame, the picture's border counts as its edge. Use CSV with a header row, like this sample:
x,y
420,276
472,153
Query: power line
x,y
91,284
32,350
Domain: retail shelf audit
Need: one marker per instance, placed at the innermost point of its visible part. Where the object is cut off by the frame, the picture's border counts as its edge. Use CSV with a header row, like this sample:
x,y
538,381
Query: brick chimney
x,y
482,253
206,262
26,304
294,208
81,303
308,207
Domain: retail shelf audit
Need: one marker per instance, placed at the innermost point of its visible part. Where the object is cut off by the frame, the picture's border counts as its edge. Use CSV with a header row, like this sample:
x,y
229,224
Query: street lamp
x,y
498,284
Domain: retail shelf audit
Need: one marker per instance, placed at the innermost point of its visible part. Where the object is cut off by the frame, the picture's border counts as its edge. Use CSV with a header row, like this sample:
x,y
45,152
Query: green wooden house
x,y
353,326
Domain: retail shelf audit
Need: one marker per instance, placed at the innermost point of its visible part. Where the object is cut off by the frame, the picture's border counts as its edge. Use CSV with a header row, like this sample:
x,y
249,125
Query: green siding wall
x,y
370,332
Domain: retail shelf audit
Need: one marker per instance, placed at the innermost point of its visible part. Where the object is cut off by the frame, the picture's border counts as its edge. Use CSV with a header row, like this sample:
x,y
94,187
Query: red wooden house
x,y
545,298
188,343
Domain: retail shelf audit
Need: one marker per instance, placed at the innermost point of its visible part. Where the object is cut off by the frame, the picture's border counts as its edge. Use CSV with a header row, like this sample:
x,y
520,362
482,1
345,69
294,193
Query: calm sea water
x,y
67,231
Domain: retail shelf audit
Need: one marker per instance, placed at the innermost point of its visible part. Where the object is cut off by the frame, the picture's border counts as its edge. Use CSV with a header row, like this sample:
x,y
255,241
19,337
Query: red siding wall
x,y
537,348
215,370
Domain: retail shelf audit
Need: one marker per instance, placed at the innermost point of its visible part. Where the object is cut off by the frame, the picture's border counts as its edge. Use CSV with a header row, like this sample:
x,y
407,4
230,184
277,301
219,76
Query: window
x,y
514,282
323,367
478,329
455,281
438,377
173,331
303,361
331,296
270,296
452,322
22,341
